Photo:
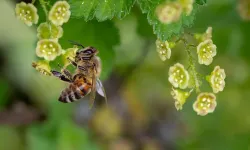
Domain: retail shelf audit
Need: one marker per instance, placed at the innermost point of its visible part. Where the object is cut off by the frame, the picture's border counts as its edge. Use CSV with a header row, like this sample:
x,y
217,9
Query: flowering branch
x,y
192,67
191,64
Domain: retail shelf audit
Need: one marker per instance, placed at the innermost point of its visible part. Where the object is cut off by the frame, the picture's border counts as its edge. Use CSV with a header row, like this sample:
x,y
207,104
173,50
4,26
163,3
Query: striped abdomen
x,y
75,91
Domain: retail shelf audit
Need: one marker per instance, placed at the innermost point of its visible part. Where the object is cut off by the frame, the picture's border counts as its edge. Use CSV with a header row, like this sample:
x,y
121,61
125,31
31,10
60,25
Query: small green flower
x,y
178,76
42,66
180,97
187,6
206,51
69,53
163,49
205,36
205,103
49,31
217,79
60,13
48,48
169,12
27,13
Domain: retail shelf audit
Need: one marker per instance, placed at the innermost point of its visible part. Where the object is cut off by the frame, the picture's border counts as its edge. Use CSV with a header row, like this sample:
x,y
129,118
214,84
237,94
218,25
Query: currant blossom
x,y
69,53
163,49
27,13
49,31
42,66
180,97
217,79
48,48
206,51
205,103
178,76
169,12
59,13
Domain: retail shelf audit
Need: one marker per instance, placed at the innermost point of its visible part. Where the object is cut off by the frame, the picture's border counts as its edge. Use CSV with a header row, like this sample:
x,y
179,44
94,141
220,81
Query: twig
x,y
192,64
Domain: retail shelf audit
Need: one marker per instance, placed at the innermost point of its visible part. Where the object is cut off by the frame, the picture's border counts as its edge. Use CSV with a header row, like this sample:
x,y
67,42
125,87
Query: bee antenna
x,y
75,43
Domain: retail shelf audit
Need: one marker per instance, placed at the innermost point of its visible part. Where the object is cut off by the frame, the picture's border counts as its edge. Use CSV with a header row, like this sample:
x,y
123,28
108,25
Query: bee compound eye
x,y
88,51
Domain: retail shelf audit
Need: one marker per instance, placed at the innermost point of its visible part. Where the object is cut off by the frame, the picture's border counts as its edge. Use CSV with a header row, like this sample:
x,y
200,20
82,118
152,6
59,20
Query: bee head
x,y
86,53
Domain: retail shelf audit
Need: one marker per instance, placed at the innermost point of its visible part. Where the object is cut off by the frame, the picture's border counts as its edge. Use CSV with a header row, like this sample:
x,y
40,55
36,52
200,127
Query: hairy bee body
x,y
80,87
86,78
87,67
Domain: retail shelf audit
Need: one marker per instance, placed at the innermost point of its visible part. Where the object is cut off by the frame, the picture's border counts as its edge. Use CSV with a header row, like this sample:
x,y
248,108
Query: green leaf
x,y
101,9
166,31
101,35
201,2
143,28
72,137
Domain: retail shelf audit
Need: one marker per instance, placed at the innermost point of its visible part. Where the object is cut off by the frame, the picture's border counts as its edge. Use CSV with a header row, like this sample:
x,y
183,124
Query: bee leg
x,y
72,62
67,73
60,76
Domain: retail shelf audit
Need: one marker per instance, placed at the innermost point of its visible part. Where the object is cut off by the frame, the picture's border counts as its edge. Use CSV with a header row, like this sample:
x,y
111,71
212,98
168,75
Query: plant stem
x,y
191,64
192,67
43,4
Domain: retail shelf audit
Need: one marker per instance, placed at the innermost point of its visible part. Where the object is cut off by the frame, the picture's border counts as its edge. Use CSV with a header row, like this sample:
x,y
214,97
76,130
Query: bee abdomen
x,y
74,93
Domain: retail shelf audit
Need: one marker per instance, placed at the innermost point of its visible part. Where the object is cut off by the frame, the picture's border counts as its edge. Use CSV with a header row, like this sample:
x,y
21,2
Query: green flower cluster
x,y
182,79
48,32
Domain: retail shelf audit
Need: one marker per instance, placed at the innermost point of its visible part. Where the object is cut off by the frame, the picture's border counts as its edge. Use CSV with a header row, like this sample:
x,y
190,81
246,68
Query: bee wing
x,y
100,89
93,91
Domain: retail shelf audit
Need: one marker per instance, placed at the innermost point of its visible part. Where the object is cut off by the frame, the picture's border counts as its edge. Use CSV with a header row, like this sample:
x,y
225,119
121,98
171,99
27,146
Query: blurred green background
x,y
141,113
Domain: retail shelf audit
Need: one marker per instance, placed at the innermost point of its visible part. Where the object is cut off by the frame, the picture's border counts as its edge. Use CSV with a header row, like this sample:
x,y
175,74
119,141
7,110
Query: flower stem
x,y
43,4
192,67
192,64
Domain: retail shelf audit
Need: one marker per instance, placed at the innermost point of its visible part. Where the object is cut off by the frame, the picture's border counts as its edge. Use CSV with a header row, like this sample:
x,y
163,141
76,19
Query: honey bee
x,y
85,80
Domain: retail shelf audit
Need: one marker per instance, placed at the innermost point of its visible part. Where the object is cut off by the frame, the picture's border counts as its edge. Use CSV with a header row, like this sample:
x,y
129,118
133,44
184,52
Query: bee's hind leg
x,y
60,76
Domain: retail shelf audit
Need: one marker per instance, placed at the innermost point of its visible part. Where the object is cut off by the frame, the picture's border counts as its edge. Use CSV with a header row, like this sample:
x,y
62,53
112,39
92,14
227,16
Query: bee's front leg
x,y
67,73
72,62
60,76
